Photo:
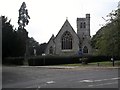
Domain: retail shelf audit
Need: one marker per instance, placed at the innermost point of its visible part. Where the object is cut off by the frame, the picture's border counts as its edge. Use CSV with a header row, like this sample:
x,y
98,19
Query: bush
x,y
84,60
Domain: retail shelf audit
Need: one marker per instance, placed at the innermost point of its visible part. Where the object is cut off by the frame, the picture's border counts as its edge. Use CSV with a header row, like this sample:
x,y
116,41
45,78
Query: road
x,y
79,77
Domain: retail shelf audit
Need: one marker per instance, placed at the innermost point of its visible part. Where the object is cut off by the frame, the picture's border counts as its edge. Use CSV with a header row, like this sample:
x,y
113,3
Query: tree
x,y
11,45
32,44
8,36
23,20
41,48
107,39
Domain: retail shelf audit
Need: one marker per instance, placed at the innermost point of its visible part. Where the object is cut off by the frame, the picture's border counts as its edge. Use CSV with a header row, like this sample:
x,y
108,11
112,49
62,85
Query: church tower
x,y
83,27
83,32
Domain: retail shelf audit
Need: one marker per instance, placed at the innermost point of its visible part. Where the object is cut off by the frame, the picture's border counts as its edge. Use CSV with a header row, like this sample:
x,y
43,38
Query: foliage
x,y
12,45
107,40
23,16
8,38
32,44
14,41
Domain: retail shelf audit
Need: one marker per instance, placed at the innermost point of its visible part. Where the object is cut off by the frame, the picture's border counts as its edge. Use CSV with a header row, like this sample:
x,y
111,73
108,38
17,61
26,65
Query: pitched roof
x,y
52,38
66,23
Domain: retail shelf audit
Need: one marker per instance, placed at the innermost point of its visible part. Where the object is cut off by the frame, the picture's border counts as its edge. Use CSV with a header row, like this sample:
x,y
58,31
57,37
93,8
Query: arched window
x,y
85,50
81,25
66,41
84,25
51,50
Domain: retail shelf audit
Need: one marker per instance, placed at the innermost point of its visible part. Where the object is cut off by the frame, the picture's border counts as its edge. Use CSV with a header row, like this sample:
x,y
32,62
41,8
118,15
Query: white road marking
x,y
99,80
50,82
116,78
102,84
107,79
86,81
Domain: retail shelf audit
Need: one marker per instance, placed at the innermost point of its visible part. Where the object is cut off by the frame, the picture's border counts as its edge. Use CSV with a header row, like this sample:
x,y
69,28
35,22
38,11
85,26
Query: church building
x,y
68,42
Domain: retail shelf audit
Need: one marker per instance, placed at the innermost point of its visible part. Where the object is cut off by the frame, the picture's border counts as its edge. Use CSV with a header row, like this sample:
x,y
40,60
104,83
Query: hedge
x,y
52,60
13,61
56,60
101,58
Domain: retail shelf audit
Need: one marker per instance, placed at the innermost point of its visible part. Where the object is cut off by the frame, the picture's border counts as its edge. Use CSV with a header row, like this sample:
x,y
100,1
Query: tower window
x,y
84,25
66,41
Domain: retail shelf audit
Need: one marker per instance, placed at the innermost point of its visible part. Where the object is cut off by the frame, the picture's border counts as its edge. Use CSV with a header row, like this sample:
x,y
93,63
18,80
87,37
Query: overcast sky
x,y
48,16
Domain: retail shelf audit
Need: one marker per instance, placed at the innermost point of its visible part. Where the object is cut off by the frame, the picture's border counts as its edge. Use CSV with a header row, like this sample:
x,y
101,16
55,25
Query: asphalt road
x,y
37,77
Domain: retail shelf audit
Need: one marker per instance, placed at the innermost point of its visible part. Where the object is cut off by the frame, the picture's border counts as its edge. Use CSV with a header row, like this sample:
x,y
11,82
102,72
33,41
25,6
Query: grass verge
x,y
103,64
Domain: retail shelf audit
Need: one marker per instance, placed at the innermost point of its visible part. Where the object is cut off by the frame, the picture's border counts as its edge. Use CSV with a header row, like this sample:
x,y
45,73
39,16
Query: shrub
x,y
84,60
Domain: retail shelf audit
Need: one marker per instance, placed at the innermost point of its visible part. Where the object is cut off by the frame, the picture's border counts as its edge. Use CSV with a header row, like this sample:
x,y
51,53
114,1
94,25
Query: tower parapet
x,y
87,15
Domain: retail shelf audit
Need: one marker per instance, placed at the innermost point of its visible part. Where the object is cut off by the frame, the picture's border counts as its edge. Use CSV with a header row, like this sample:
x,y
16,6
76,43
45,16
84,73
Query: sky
x,y
48,16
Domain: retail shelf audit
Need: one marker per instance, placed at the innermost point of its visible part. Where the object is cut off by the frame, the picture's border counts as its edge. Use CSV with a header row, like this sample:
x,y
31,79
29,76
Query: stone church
x,y
68,42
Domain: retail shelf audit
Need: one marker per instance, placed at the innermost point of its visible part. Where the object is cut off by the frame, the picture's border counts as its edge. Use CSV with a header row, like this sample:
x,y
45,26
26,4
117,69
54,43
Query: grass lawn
x,y
104,64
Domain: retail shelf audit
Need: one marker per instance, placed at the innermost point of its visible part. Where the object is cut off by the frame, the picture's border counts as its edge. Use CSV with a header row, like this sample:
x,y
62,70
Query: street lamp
x,y
112,61
44,58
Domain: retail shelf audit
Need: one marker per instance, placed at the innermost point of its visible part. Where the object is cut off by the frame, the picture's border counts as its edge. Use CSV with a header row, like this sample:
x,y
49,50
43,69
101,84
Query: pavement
x,y
71,67
53,67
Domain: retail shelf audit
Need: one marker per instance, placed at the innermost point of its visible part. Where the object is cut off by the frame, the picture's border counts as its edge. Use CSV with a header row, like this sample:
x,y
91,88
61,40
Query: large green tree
x,y
107,40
